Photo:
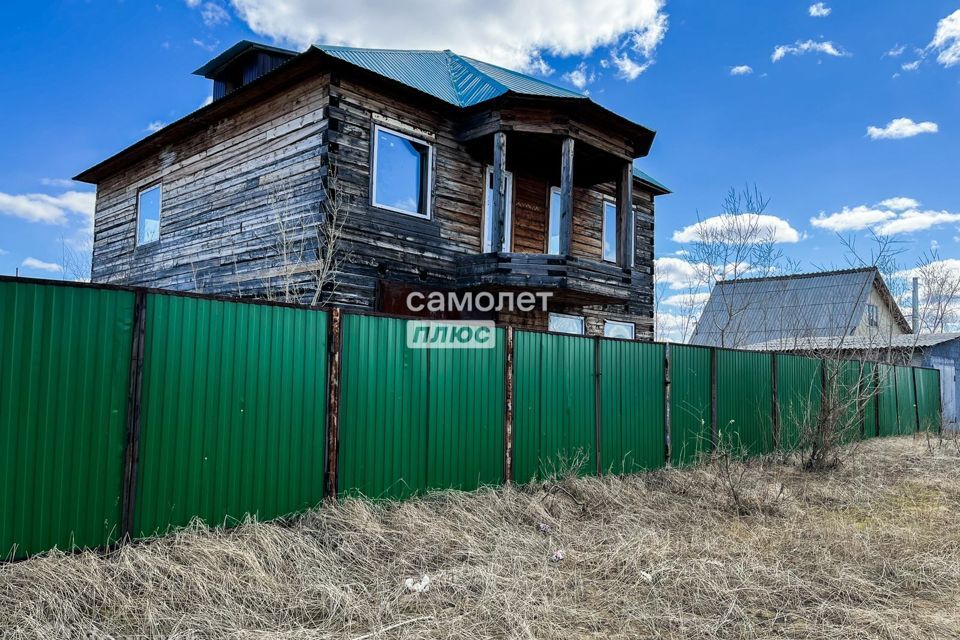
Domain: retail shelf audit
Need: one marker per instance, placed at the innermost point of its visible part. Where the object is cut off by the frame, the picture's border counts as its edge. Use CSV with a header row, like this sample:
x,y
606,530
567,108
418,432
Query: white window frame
x,y
568,316
428,195
486,244
136,232
619,323
553,190
603,230
873,315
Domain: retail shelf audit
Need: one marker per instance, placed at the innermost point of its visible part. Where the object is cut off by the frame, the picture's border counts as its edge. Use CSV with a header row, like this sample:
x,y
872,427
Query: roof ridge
x,y
453,56
798,276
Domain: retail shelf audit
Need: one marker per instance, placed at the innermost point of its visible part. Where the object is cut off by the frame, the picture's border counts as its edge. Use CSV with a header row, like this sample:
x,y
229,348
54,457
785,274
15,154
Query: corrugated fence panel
x,y
745,400
844,385
383,410
799,387
233,413
465,423
631,406
870,400
554,407
906,400
928,398
65,363
887,419
690,409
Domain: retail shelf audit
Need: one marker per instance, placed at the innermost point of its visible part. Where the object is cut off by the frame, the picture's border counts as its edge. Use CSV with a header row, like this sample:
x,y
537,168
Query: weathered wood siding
x,y
225,190
223,193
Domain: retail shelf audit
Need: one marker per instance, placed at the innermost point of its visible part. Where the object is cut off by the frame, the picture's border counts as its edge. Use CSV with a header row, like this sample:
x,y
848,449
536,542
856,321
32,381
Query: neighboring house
x,y
783,310
848,314
447,173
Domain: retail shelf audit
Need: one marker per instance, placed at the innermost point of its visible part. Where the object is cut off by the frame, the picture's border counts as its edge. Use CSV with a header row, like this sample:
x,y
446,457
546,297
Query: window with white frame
x,y
553,221
565,323
873,315
148,215
616,329
488,212
609,235
401,174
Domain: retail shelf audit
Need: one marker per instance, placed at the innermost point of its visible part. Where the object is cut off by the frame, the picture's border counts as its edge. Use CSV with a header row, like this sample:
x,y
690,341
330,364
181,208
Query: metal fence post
x,y
134,396
775,402
508,408
597,393
916,399
667,444
714,427
334,348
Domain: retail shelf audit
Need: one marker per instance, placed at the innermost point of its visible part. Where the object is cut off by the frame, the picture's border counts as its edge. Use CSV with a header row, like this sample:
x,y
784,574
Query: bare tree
x,y
940,293
306,246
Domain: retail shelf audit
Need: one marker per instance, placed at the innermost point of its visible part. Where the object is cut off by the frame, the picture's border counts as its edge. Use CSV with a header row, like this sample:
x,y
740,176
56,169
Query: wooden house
x,y
445,174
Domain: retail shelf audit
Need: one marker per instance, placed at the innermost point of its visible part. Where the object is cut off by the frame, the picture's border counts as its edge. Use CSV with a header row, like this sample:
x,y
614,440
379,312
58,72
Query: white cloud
x,y
64,183
913,220
505,32
206,46
206,101
627,67
762,227
46,209
580,77
741,70
852,219
819,10
800,48
4,252
155,126
890,217
899,203
896,51
213,14
901,128
675,273
911,66
40,265
193,4
946,40
687,300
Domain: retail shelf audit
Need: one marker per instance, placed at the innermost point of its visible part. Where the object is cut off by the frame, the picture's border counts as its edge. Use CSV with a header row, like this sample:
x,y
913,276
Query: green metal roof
x,y
456,79
649,180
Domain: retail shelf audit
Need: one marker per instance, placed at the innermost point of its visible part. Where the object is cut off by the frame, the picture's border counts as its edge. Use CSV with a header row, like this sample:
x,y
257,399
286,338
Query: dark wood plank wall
x,y
225,189
223,192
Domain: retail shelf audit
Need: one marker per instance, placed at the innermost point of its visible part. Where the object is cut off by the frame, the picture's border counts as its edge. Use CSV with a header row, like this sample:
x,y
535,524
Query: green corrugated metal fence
x,y
199,407
233,413
64,383
417,419
690,412
870,395
928,398
631,406
745,400
906,400
554,404
799,391
887,419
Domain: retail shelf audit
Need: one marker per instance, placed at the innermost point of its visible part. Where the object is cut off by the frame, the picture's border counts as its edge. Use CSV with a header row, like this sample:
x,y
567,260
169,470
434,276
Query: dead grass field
x,y
868,550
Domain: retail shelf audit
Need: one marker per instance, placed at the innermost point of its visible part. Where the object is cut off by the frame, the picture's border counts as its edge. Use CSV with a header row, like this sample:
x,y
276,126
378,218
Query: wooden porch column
x,y
625,216
566,196
499,208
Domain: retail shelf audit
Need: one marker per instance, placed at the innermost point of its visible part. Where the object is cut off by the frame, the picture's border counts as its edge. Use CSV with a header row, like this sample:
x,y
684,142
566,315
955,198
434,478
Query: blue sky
x,y
89,77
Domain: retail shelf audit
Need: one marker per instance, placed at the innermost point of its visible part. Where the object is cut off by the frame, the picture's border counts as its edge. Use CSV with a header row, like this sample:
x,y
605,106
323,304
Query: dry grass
x,y
868,550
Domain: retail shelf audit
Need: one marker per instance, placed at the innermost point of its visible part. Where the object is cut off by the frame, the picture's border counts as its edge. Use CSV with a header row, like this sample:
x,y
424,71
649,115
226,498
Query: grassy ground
x,y
868,550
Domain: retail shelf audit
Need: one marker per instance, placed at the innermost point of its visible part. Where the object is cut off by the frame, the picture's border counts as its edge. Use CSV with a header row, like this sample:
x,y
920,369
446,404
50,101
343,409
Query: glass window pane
x,y
401,165
488,213
563,323
609,231
614,329
148,215
553,239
